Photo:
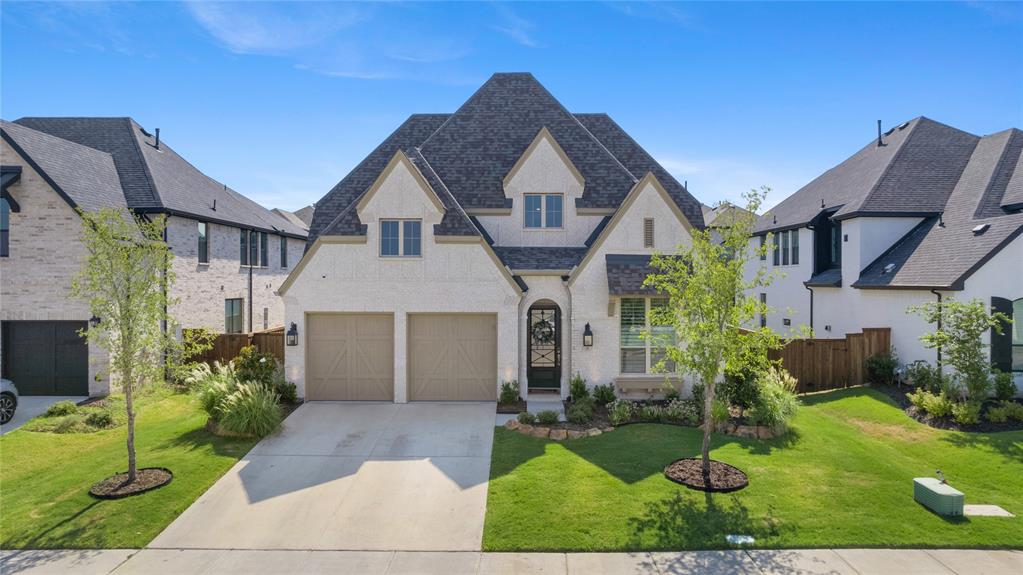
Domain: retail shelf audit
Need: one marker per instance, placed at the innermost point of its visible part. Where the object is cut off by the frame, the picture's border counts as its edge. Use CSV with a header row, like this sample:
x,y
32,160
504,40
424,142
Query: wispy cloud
x,y
515,27
268,28
660,11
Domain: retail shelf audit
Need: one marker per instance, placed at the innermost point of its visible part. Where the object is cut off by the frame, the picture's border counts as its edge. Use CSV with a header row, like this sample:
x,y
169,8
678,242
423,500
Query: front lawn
x,y
45,478
842,478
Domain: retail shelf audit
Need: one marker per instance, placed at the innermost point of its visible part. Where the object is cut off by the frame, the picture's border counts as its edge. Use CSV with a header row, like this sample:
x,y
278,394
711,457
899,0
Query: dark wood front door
x,y
544,336
46,357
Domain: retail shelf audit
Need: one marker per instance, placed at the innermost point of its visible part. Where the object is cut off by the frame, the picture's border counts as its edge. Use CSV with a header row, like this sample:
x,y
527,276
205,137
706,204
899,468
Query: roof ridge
x,y
6,123
913,125
145,163
1006,161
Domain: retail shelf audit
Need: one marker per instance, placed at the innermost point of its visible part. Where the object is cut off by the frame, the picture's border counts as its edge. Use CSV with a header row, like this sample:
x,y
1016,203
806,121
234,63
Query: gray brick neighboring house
x,y
52,166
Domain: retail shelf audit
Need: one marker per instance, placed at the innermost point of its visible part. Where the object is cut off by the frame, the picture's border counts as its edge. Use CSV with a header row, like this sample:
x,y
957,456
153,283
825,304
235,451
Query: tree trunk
x,y
708,426
130,407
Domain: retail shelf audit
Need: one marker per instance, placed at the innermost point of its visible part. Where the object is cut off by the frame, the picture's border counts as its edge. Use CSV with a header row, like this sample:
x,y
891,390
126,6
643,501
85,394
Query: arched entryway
x,y
543,340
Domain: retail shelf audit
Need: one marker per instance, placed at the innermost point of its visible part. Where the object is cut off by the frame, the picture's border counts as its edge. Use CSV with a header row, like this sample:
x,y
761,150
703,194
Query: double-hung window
x,y
401,238
254,250
639,354
204,242
543,211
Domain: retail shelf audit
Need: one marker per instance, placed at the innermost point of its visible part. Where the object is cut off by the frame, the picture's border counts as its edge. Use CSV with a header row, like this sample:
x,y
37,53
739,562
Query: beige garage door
x,y
452,357
350,357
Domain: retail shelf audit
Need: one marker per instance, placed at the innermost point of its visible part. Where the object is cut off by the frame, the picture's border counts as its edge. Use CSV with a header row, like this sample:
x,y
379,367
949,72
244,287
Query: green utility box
x,y
939,497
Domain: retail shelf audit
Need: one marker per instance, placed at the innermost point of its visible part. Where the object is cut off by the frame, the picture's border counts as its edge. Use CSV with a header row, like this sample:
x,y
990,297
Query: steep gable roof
x,y
85,177
158,179
913,173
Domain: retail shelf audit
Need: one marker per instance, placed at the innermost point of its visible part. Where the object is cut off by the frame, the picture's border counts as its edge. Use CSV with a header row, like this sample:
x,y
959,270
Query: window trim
x,y
543,212
648,344
202,243
241,314
401,238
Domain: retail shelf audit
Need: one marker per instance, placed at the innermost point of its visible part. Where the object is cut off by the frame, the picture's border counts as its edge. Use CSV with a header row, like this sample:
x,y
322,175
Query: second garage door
x,y
350,357
452,357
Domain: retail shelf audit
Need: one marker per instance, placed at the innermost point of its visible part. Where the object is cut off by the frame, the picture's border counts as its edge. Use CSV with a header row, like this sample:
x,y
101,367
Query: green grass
x,y
842,478
45,478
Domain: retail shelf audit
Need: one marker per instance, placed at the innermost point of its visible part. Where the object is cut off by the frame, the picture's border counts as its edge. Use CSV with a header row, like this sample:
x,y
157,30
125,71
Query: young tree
x,y
712,306
960,326
125,278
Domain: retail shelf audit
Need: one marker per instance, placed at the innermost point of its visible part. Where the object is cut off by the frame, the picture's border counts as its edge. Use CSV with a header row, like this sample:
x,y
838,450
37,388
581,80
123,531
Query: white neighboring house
x,y
506,241
51,166
923,213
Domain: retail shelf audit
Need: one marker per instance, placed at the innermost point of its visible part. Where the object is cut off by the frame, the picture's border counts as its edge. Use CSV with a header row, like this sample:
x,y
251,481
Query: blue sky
x,y
281,100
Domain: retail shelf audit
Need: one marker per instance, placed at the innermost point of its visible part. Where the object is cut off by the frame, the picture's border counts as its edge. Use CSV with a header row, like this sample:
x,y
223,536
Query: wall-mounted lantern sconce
x,y
94,321
292,335
587,336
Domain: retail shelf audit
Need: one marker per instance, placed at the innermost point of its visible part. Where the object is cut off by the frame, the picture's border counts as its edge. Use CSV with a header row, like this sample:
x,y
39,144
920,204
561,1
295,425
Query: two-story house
x,y
231,255
922,213
508,240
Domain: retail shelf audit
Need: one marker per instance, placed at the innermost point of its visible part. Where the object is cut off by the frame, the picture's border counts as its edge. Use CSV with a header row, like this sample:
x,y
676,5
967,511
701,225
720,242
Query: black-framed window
x,y
5,228
284,252
233,315
264,253
785,248
776,259
244,257
794,243
763,253
1017,335
203,242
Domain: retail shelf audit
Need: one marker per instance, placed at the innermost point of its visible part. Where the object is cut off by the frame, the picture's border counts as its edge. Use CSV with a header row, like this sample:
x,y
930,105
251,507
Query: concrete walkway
x,y
754,562
352,476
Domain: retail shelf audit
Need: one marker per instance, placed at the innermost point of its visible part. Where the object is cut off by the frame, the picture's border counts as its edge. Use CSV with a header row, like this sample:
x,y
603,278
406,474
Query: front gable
x,y
544,167
400,191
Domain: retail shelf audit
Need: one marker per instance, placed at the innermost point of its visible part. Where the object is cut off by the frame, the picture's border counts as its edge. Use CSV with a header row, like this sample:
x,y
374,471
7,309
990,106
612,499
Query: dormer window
x,y
401,238
543,211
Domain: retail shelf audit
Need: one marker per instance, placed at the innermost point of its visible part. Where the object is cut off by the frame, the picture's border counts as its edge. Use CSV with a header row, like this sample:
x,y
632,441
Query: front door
x,y
544,336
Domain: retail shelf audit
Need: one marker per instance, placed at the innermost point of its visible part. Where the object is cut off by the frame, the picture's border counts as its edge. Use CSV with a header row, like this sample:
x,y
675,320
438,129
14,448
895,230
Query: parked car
x,y
8,400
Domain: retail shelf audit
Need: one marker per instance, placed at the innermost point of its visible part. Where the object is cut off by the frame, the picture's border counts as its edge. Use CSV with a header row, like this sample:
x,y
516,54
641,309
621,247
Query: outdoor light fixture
x,y
587,336
292,335
94,321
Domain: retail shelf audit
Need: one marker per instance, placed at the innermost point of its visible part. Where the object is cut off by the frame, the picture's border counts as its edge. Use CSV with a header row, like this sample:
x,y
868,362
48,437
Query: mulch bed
x,y
689,472
512,408
146,479
898,395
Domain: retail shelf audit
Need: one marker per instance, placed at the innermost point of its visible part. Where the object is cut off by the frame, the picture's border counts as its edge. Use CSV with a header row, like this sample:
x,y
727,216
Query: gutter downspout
x,y
935,292
810,289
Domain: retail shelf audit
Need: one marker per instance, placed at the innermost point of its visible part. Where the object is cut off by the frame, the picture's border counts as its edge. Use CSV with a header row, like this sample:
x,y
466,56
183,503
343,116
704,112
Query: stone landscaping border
x,y
559,434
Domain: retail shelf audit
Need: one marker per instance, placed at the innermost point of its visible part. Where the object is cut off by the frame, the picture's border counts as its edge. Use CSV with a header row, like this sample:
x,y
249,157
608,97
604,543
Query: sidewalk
x,y
754,562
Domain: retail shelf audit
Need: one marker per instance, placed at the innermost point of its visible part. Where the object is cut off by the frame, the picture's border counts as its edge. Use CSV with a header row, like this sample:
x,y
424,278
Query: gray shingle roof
x,y
468,153
942,253
626,274
827,278
86,176
1013,197
540,257
912,174
160,180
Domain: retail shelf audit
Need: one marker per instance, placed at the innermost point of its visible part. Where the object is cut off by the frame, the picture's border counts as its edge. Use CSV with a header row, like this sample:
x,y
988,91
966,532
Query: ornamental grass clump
x,y
252,409
776,401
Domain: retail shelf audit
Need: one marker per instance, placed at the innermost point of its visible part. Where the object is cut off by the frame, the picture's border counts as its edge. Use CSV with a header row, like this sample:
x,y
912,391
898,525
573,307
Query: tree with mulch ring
x,y
125,278
700,328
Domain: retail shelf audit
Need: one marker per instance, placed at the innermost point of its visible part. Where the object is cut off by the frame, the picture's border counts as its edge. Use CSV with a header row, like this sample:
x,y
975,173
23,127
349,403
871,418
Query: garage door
x,y
452,357
350,357
46,357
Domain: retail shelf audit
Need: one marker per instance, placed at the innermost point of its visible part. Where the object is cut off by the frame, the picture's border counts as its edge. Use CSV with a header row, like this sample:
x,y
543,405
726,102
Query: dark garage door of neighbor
x,y
46,357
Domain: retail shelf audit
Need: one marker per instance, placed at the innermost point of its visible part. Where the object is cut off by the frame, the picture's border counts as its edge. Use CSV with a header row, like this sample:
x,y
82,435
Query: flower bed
x,y
984,425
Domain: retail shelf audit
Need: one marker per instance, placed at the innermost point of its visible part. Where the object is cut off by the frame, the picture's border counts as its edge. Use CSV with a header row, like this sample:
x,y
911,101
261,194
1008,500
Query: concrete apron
x,y
352,476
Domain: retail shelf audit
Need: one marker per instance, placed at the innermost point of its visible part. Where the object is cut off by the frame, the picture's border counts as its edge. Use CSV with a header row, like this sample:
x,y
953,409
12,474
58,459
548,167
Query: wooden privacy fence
x,y
822,364
227,345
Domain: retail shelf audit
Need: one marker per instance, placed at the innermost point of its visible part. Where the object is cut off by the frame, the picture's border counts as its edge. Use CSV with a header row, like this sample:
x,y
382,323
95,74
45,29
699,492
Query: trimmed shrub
x,y
881,367
509,391
1005,389
777,402
739,389
252,365
934,404
604,394
547,417
100,418
923,375
620,411
577,387
966,413
580,412
252,409
1004,411
62,408
526,418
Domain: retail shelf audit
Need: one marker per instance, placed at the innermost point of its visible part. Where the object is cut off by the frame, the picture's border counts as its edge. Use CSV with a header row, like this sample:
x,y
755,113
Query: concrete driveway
x,y
352,476
30,406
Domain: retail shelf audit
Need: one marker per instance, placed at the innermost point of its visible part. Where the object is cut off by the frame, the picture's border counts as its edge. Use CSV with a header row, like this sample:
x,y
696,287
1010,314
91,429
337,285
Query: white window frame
x,y
401,238
543,212
647,343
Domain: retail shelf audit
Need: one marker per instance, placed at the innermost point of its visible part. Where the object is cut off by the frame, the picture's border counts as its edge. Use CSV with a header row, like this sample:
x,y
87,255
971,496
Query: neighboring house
x,y
52,166
302,218
506,241
721,216
925,212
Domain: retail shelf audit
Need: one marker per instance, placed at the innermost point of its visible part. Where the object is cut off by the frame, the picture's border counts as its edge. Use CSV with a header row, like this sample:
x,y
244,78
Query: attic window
x,y
648,232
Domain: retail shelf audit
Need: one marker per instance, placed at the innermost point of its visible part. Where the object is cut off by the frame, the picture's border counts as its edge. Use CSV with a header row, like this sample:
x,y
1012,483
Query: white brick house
x,y
924,212
52,166
508,240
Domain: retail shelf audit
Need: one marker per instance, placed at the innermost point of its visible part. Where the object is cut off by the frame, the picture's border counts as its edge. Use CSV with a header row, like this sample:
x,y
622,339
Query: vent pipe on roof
x,y
157,139
880,142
